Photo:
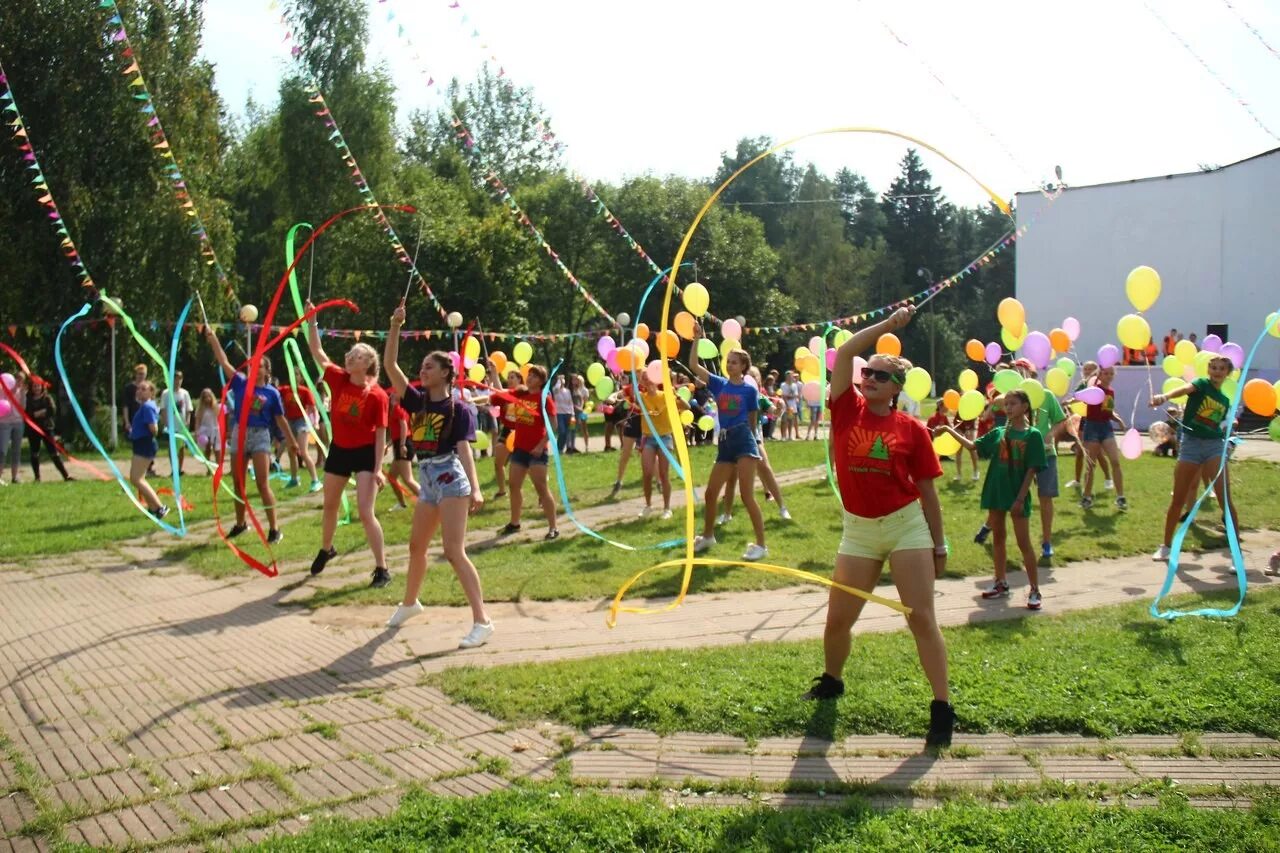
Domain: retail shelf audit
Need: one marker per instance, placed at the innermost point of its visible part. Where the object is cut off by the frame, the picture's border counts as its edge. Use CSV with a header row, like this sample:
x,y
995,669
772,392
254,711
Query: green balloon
x,y
1067,366
595,372
604,387
683,393
706,349
1006,380
1273,429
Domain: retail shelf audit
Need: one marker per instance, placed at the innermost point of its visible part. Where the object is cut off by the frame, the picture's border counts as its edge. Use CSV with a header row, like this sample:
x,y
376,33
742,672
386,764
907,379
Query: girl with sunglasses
x,y
885,467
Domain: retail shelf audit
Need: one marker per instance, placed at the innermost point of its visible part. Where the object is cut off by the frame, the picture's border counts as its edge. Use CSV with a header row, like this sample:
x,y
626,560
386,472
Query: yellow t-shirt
x,y
657,409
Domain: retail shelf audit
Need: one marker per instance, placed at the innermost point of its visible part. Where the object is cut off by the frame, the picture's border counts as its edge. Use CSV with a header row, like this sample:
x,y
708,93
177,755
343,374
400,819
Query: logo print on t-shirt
x,y
258,402
425,430
1211,413
870,450
729,404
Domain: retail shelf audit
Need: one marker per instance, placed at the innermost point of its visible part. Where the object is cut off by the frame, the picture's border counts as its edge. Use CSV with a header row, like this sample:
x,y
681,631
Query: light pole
x,y
927,274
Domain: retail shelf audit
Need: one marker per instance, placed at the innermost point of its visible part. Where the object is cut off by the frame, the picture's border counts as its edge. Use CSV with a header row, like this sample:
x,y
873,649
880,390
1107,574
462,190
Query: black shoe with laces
x,y
237,530
323,556
381,578
942,719
824,687
274,536
982,534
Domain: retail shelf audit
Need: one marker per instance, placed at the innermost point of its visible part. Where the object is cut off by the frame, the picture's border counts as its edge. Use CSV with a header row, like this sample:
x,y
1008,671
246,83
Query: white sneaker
x,y
702,543
784,513
1109,485
975,476
1162,554
1074,484
755,552
644,513
666,513
479,635
723,518
404,612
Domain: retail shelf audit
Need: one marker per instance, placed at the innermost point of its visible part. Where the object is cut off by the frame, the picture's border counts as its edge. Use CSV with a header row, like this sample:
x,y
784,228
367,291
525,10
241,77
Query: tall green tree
x,y
764,189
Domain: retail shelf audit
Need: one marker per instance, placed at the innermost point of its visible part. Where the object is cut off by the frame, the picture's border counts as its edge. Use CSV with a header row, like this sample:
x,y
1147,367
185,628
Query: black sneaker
x,y
381,578
824,687
942,719
322,558
508,529
237,530
982,534
616,490
552,534
274,536
160,512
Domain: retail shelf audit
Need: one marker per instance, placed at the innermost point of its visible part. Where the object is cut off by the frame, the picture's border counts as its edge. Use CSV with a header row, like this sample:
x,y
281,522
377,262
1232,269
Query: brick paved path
x,y
155,707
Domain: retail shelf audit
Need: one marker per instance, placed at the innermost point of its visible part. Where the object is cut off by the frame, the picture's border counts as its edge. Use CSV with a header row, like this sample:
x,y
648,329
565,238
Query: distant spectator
x,y
1170,340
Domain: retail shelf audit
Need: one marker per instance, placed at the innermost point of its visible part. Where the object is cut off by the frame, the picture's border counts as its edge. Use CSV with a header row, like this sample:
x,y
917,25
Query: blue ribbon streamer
x,y
1233,540
564,489
635,379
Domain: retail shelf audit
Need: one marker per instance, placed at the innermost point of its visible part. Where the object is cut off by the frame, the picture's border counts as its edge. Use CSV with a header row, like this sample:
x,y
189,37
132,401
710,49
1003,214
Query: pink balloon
x,y
605,346
858,364
654,372
1037,349
731,329
5,408
457,362
1072,327
495,411
816,344
1234,352
611,361
641,348
993,353
1093,395
812,392
1211,343
831,359
1131,444
8,380
1108,355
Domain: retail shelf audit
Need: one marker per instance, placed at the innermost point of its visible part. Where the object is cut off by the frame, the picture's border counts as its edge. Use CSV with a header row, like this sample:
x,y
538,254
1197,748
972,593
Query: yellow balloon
x,y
945,444
888,344
1011,314
968,380
918,383
471,349
1057,381
728,345
1171,365
686,417
1034,391
1078,408
705,423
971,405
1185,351
1273,324
696,299
1014,343
808,376
1143,288
1201,363
476,372
1229,387
1133,331
522,352
482,441
1172,384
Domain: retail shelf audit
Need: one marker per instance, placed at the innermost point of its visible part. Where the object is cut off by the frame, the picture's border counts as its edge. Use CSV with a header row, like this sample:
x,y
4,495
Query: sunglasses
x,y
883,375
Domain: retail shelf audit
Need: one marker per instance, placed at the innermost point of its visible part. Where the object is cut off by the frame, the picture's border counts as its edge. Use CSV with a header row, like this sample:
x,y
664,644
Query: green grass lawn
x,y
1101,672
584,568
558,818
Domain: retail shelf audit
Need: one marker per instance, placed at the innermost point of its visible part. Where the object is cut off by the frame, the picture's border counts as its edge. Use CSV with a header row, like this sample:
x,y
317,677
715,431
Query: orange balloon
x,y
625,357
668,343
684,325
511,439
642,331
1260,397
975,351
1060,341
888,344
524,371
498,359
951,399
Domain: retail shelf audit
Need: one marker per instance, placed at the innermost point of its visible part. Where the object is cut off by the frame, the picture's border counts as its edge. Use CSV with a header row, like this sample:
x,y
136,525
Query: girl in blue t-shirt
x,y
142,434
738,407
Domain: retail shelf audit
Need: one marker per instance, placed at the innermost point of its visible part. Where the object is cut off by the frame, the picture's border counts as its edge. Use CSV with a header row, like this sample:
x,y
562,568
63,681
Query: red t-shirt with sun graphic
x,y
356,411
878,458
524,415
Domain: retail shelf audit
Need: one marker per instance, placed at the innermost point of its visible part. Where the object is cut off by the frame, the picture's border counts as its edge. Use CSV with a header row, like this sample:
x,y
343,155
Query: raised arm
x,y
698,370
219,354
313,341
842,373
392,351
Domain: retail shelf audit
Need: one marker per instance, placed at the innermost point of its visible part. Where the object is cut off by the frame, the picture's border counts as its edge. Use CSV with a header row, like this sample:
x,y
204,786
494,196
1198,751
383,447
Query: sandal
x,y
509,529
553,533
501,494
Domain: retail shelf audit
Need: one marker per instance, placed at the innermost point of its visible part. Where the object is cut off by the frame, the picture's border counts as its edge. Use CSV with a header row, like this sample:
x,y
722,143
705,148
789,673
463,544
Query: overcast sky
x,y
1099,87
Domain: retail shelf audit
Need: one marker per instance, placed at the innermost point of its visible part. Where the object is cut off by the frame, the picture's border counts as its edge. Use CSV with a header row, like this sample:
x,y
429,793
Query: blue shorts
x,y
1047,477
524,458
736,443
145,447
1096,431
300,426
256,440
654,440
442,477
1197,450
581,416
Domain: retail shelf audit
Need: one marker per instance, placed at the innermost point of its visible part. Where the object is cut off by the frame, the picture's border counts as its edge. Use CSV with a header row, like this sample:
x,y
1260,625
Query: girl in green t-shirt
x,y
1016,451
1200,445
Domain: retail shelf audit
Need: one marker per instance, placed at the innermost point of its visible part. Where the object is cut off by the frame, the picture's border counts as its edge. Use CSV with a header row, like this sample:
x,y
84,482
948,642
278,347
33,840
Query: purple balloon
x,y
1093,395
1108,355
605,345
993,353
1036,348
1211,343
1234,352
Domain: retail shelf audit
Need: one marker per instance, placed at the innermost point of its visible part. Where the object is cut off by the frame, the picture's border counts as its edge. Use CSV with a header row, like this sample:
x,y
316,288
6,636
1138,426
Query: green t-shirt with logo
x,y
1050,415
1206,408
1012,453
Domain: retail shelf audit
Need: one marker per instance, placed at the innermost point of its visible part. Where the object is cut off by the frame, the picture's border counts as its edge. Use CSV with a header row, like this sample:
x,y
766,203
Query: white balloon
x,y
454,319
248,313
624,319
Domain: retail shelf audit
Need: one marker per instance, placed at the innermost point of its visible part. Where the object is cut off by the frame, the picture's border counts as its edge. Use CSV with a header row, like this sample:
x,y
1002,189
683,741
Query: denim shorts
x,y
1096,431
905,529
654,440
300,426
524,458
1197,450
1047,478
736,443
147,447
256,440
442,477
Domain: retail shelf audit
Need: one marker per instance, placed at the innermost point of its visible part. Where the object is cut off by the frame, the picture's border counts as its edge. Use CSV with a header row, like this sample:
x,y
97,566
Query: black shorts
x,y
631,428
345,461
401,451
506,431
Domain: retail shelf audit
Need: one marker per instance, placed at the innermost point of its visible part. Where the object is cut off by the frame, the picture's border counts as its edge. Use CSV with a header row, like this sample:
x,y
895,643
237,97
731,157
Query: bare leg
x,y
538,473
912,573
746,469
843,609
366,496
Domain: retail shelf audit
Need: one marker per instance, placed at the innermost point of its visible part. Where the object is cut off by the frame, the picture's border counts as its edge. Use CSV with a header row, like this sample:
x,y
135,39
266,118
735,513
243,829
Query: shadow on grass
x,y
1155,637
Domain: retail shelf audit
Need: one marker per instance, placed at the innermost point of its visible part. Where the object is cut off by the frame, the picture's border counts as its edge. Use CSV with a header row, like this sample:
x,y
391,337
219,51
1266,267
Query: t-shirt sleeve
x,y
377,408
412,400
751,400
923,462
274,406
551,407
464,423
715,383
236,386
987,444
1053,413
336,377
1035,449
305,397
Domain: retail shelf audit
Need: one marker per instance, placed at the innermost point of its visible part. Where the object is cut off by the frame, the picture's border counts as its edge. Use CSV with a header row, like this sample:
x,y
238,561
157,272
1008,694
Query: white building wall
x,y
1214,237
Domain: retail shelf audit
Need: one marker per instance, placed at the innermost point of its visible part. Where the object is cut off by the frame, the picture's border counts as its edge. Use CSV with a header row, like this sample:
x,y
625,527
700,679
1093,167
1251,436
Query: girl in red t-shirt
x,y
886,467
358,413
524,414
501,452
402,482
1099,438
